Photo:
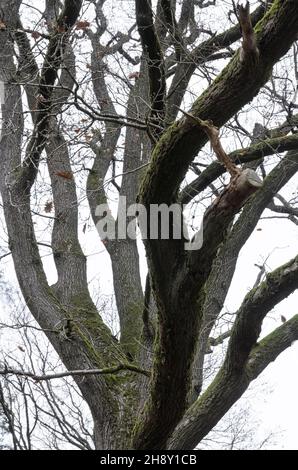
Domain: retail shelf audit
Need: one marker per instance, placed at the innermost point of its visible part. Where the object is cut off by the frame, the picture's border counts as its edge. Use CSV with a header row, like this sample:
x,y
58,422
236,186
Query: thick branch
x,y
153,51
243,228
199,56
49,74
44,304
272,346
223,270
228,93
220,339
216,221
249,50
277,286
170,161
218,216
236,373
173,27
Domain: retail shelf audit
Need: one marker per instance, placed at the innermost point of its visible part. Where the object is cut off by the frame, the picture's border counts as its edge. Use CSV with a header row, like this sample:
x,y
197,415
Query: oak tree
x,y
104,99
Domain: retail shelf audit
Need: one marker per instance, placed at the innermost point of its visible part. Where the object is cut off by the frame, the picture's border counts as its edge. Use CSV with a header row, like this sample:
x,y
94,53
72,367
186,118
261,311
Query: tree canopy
x,y
157,103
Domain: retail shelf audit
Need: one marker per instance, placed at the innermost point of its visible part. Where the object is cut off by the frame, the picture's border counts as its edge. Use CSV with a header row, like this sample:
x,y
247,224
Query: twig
x,y
109,370
5,255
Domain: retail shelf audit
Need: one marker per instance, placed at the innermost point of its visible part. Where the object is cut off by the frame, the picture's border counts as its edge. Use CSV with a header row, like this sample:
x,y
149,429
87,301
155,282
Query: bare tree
x,y
38,412
92,113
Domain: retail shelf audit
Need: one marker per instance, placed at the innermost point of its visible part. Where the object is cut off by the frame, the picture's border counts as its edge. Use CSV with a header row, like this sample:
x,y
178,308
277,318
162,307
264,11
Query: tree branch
x,y
254,152
107,371
286,208
249,51
199,56
236,373
220,339
173,27
49,73
222,272
278,285
153,51
218,216
87,341
228,93
178,312
270,347
213,135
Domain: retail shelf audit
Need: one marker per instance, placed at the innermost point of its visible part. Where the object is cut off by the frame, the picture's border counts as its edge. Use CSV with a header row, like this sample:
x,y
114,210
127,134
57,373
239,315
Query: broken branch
x,y
243,182
249,51
213,135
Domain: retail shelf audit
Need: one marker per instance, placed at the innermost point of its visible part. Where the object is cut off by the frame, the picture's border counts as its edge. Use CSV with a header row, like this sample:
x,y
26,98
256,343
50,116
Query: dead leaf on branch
x,y
65,174
82,25
133,75
48,207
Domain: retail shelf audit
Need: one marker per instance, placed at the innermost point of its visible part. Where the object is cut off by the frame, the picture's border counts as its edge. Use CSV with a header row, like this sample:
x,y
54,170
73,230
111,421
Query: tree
x,y
51,414
68,120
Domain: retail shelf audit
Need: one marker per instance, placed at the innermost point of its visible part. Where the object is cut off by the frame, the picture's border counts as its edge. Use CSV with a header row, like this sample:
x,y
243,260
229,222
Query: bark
x,y
249,52
48,76
185,70
236,373
243,156
156,72
173,27
230,91
89,341
160,328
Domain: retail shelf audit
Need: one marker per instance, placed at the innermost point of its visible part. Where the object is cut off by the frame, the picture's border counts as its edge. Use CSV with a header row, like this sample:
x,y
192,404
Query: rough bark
x,y
183,296
236,373
230,91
